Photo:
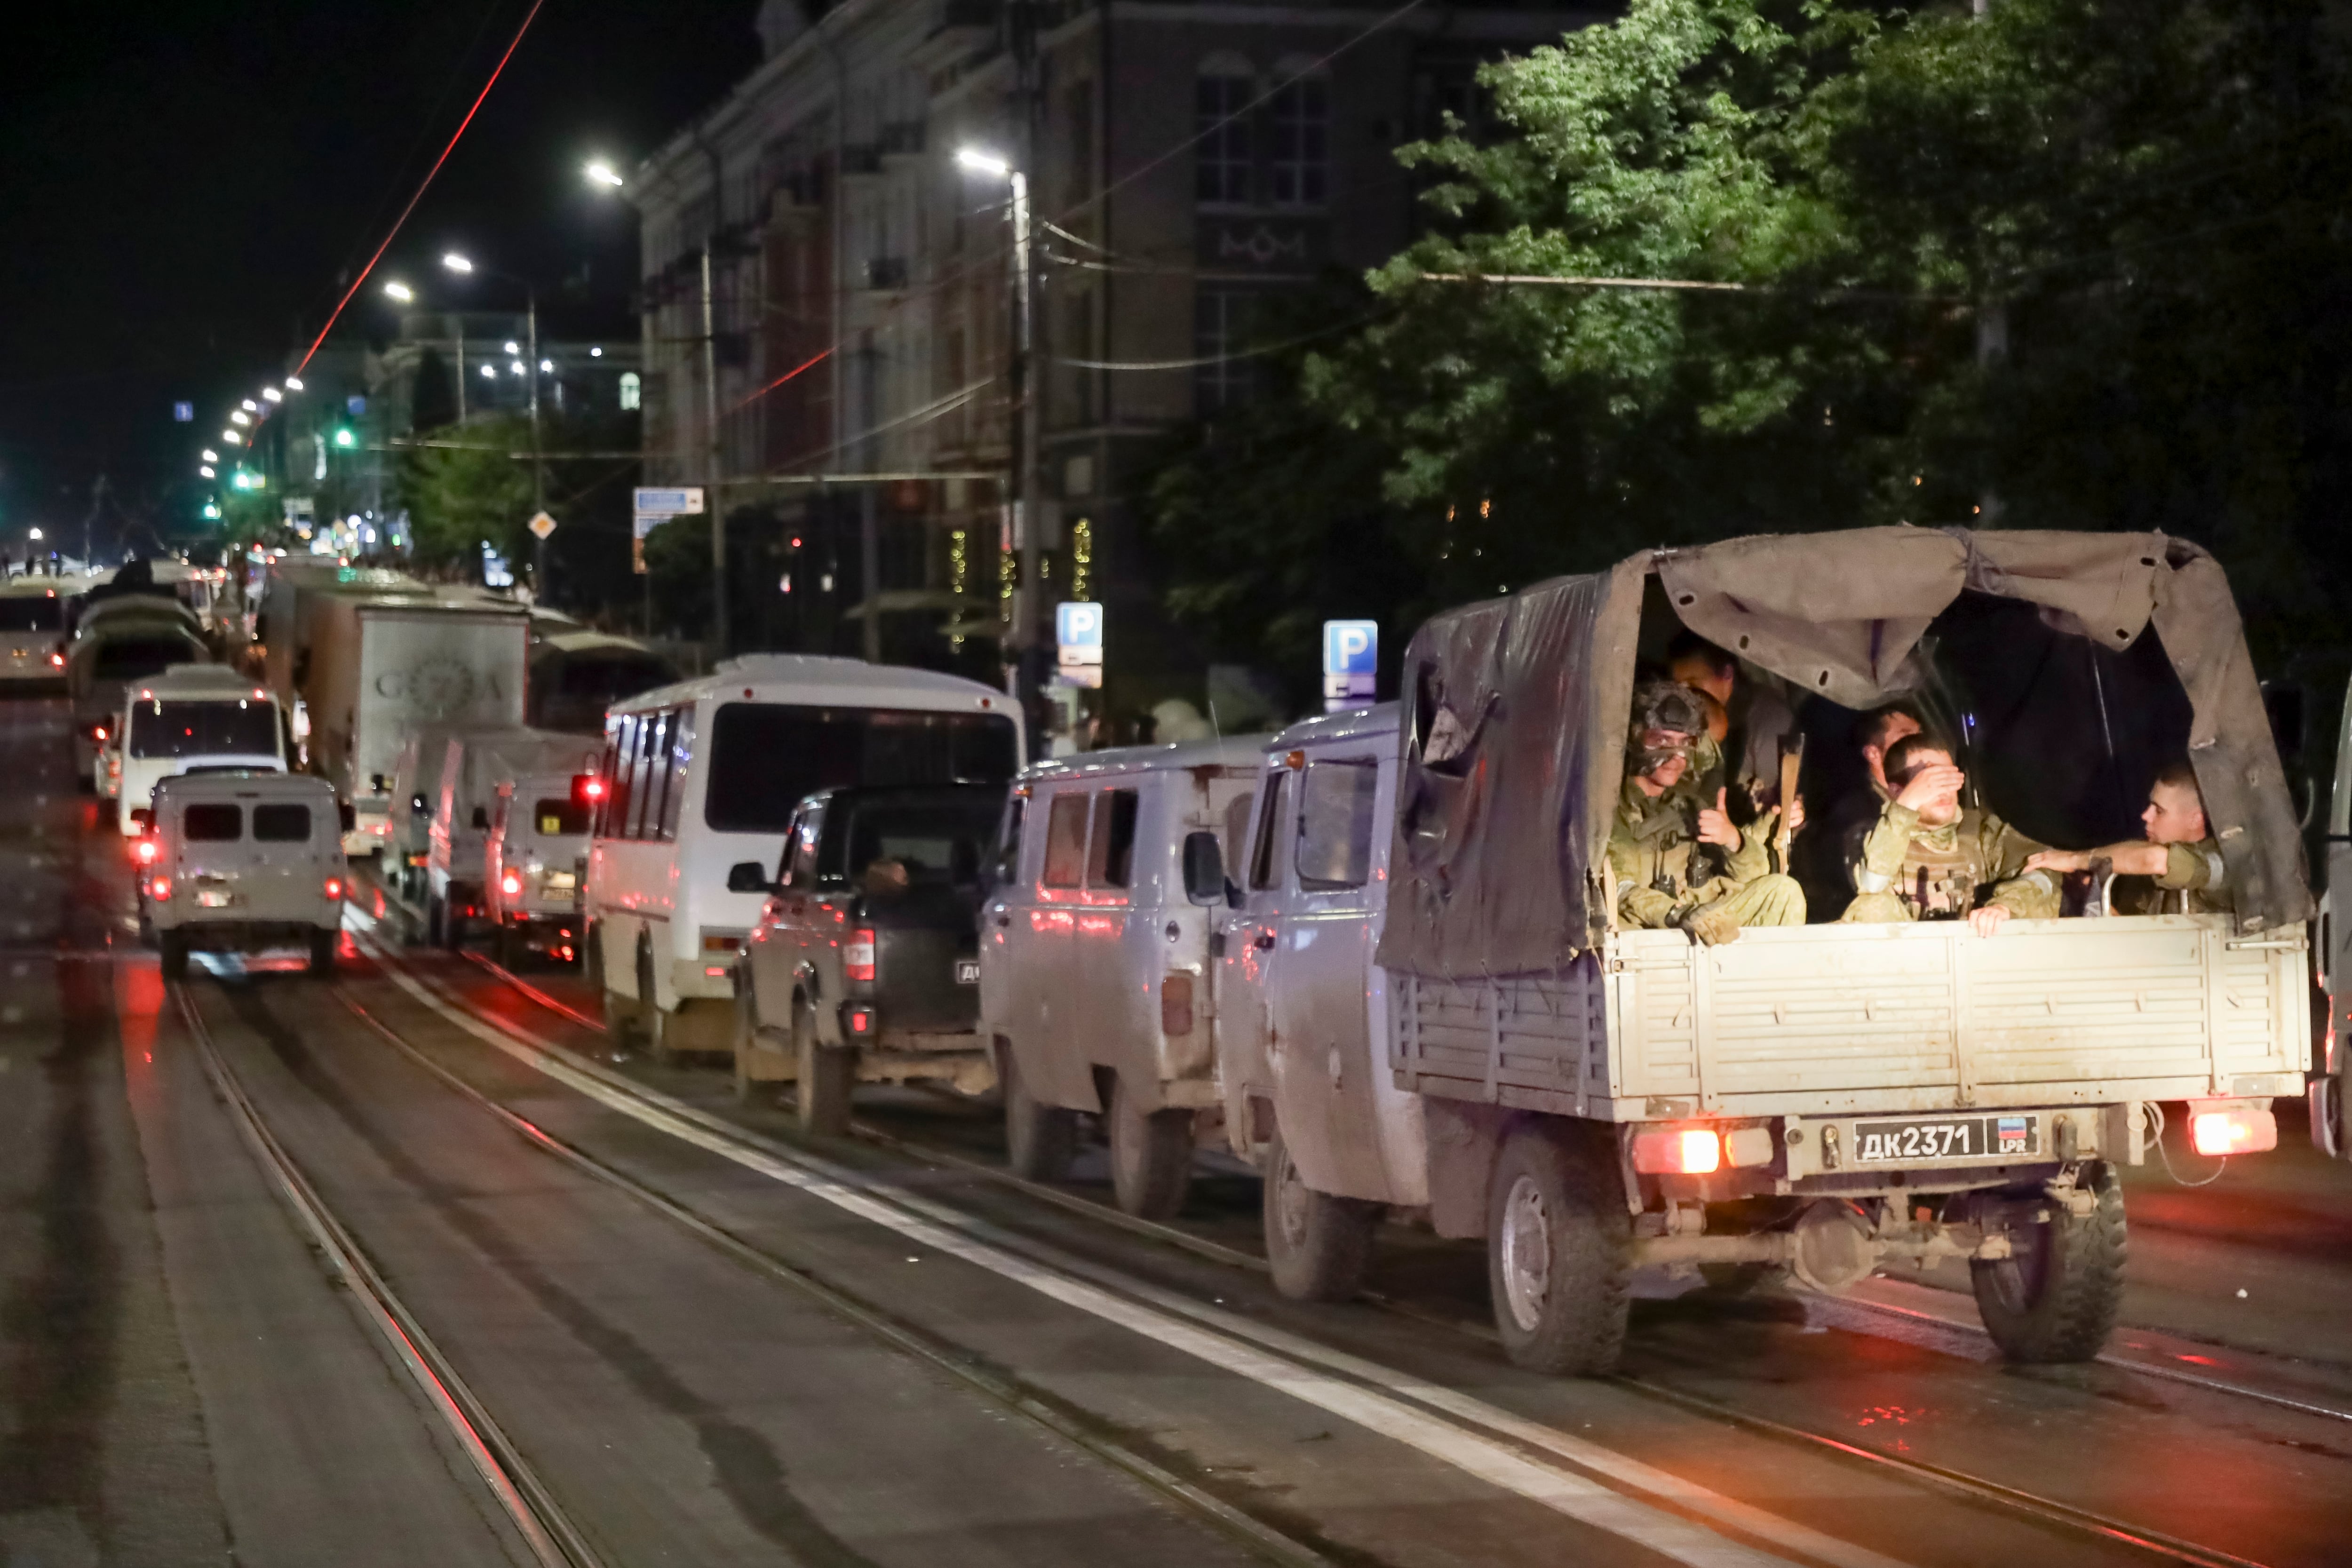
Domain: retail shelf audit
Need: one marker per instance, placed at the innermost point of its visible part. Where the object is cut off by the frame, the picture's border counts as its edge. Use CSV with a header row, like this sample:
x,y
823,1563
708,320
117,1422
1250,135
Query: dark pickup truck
x,y
863,966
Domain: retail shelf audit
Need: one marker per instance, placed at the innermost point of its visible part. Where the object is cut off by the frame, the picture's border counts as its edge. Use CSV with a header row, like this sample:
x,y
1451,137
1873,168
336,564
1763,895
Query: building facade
x,y
1185,159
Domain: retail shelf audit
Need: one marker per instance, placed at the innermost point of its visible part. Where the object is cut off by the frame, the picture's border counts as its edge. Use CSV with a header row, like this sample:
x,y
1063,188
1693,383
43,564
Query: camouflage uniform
x,y
1653,845
1903,871
2194,881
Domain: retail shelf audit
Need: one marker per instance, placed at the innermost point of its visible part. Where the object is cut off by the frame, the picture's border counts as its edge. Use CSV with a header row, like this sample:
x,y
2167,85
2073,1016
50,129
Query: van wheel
x,y
1040,1140
2056,1299
1559,1254
825,1076
1317,1246
175,944
322,952
1150,1155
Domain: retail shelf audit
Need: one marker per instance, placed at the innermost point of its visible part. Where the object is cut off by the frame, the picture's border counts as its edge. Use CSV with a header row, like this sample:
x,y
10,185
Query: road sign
x,y
183,413
1351,658
1077,624
542,525
675,501
645,523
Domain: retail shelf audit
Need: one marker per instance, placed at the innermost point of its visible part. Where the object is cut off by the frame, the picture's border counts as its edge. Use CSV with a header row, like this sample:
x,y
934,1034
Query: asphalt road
x,y
873,1356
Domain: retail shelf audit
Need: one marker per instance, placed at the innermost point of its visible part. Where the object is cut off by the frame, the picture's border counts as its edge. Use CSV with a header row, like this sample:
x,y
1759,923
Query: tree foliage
x,y
2144,199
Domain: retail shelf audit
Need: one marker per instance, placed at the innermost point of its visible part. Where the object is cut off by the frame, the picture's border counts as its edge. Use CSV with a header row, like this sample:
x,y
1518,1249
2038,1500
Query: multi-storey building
x,y
1184,159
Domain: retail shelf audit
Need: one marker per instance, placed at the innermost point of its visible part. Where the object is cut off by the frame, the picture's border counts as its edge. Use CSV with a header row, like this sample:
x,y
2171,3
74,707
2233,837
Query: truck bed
x,y
1825,1019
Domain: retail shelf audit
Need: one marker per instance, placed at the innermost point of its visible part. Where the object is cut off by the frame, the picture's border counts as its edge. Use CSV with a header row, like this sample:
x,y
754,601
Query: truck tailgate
x,y
1826,1018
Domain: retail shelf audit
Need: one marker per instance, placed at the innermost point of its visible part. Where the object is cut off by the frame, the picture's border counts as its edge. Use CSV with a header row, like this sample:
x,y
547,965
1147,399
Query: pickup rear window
x,y
31,613
935,846
765,757
213,822
243,728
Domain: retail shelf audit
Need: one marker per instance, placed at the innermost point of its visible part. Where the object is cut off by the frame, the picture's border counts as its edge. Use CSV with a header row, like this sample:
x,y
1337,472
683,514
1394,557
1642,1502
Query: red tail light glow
x,y
2232,1129
334,887
857,956
146,851
160,890
98,731
510,884
56,661
1678,1151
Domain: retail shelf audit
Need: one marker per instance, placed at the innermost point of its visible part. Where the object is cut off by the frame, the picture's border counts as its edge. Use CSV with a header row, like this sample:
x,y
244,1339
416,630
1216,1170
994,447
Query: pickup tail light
x,y
160,890
1678,1151
857,956
2232,1130
1176,1005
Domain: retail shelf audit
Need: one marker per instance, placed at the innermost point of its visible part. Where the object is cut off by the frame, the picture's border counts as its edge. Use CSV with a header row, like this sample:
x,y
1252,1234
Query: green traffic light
x,y
343,437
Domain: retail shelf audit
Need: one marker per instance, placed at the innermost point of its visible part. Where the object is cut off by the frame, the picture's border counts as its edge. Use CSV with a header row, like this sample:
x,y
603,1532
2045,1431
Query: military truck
x,y
1828,1097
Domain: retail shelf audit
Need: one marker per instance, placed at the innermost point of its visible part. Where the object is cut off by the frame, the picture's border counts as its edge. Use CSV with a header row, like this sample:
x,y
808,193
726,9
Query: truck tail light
x,y
146,851
56,661
2232,1129
334,887
857,956
1678,1151
858,1022
98,732
1176,1005
160,890
510,884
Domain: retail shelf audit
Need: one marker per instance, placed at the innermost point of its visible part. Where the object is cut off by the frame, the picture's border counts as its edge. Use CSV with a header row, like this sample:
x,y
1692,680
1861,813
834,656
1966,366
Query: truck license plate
x,y
967,971
210,900
1943,1138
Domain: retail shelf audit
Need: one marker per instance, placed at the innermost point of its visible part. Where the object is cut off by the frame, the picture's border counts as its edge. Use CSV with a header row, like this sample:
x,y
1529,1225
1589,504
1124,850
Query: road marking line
x,y
1219,1339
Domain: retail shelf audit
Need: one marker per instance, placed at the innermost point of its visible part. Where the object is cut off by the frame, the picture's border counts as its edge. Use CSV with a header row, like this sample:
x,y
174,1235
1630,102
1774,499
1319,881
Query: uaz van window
x,y
31,613
212,822
1335,824
281,824
766,757
169,728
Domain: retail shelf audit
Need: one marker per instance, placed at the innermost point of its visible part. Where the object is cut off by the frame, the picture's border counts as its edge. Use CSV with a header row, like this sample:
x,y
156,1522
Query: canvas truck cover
x,y
1515,710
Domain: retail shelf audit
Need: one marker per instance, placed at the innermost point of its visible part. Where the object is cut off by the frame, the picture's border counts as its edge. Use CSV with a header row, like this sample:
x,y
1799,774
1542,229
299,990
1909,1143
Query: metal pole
x,y
717,498
1024,447
869,567
538,468
461,370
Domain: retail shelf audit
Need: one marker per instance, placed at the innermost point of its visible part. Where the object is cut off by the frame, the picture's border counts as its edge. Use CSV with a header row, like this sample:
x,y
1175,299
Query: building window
x,y
1220,320
1300,168
1221,157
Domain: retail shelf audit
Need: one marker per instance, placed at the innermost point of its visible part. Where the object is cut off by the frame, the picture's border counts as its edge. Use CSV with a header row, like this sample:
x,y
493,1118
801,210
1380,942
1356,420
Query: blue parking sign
x,y
1351,662
1078,624
183,413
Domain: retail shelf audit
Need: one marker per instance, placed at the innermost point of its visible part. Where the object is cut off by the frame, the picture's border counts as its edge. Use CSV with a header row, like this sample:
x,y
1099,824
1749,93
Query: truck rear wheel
x,y
1040,1140
1558,1253
823,1075
175,944
1316,1247
1150,1155
322,952
2055,1298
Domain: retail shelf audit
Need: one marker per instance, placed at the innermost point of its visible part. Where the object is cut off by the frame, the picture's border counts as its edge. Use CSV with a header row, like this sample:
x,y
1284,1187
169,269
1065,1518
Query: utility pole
x,y
460,322
1027,383
717,498
537,467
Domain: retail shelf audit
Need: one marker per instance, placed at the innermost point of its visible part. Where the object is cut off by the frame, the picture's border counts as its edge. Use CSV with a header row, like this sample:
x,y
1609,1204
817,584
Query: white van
x,y
703,774
1303,1011
32,632
244,860
193,718
1093,977
531,872
459,838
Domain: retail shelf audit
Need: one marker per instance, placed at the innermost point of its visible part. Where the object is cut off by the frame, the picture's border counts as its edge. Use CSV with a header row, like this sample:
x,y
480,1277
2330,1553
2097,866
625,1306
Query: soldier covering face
x,y
1931,858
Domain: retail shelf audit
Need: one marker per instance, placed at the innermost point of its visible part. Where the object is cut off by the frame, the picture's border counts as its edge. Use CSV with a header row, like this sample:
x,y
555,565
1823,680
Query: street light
x,y
250,406
211,456
35,536
1025,406
232,438
238,416
207,470
271,394
293,383
600,173
458,262
402,292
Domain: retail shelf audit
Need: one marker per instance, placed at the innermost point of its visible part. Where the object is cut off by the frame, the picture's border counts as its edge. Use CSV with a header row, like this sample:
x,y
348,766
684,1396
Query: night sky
x,y
187,187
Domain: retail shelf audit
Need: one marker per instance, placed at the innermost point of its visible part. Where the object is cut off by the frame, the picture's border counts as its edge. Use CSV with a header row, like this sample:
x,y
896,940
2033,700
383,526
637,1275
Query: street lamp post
x,y
459,263
1023,630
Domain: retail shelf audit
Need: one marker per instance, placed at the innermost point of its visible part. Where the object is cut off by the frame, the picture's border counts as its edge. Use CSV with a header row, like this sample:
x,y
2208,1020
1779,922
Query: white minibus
x,y
193,718
32,631
702,775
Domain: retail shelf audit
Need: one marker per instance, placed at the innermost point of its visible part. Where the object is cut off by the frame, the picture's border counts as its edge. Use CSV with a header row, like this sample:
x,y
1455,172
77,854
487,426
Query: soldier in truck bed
x,y
1679,861
2176,870
1929,858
